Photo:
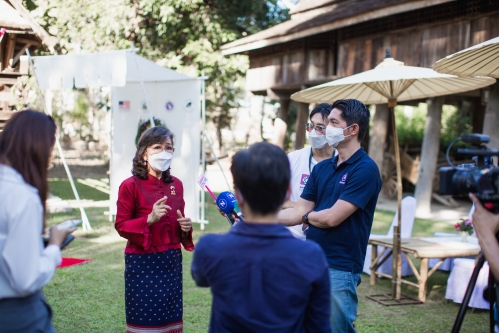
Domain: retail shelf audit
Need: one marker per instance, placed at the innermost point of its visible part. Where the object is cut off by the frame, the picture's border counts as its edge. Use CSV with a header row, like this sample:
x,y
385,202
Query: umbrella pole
x,y
396,253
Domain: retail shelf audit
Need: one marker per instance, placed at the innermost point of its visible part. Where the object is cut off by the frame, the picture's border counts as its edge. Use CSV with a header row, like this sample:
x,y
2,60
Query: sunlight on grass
x,y
90,297
87,190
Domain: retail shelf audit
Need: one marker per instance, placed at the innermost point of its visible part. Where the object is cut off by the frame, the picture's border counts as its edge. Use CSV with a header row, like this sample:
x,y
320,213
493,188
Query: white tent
x,y
172,97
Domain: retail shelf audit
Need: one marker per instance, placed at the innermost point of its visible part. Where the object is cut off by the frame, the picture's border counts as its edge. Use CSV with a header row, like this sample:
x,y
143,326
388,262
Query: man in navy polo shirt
x,y
338,204
262,278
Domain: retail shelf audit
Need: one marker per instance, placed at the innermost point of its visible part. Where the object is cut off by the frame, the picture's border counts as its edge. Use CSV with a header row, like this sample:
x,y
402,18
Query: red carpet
x,y
66,262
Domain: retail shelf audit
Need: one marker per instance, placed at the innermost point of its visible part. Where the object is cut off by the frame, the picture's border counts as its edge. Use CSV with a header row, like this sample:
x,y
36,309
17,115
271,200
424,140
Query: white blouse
x,y
25,266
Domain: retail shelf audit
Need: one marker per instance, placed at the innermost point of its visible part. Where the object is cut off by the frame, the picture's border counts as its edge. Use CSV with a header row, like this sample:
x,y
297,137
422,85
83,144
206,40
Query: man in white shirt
x,y
302,161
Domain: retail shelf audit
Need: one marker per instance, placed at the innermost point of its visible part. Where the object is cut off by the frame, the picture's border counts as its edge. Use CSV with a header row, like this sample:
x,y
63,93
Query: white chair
x,y
408,207
459,280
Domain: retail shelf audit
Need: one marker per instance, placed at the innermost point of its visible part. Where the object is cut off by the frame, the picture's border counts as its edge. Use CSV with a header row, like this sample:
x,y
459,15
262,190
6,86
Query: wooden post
x,y
9,50
490,125
373,276
422,290
378,135
300,132
396,253
429,155
280,125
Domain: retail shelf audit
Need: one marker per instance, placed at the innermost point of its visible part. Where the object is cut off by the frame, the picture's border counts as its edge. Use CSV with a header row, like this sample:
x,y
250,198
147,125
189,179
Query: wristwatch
x,y
305,218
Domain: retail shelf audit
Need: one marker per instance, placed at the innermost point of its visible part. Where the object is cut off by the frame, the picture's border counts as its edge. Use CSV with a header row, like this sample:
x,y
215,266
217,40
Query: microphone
x,y
226,201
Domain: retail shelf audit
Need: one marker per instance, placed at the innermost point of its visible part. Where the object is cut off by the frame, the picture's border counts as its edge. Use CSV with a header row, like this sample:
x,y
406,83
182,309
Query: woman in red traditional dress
x,y
151,217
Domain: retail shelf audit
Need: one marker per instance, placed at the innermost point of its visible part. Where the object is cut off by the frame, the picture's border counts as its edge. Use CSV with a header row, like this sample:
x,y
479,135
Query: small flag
x,y
202,180
124,105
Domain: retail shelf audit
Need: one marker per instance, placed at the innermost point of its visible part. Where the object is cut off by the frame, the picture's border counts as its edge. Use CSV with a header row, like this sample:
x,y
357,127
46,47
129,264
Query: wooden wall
x,y
310,64
415,47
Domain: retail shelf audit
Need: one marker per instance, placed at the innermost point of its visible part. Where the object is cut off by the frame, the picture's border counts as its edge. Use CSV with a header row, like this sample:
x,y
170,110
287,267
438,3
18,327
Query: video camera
x,y
479,178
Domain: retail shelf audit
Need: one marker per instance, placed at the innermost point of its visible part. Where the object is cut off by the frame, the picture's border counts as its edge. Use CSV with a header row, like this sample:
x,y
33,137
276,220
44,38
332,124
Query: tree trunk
x,y
378,135
490,125
300,132
280,124
429,155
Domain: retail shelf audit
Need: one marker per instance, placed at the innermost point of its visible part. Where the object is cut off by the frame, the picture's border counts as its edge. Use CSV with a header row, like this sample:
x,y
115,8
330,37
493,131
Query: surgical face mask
x,y
160,161
317,141
335,135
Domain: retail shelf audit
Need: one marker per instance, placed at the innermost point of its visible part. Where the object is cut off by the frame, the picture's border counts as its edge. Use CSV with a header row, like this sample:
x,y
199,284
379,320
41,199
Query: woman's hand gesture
x,y
184,222
160,209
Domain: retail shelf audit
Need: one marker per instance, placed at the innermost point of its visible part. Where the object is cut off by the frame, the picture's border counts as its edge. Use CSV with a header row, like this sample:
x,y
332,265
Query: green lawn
x,y
89,297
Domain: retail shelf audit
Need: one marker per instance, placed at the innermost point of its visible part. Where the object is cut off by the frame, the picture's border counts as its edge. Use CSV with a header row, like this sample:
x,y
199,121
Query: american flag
x,y
124,105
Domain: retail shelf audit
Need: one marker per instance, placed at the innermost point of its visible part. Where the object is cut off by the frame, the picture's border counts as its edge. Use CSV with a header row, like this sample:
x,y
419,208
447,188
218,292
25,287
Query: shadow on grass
x,y
90,297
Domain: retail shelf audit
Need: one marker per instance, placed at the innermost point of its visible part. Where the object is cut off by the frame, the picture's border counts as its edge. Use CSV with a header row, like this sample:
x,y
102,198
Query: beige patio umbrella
x,y
478,60
389,82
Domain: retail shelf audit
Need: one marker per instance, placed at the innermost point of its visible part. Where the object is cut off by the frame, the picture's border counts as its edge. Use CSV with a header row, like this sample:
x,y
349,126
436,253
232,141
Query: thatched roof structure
x,y
16,19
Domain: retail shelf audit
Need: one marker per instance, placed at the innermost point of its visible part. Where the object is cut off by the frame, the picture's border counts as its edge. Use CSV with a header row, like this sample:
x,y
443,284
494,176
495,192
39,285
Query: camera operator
x,y
486,226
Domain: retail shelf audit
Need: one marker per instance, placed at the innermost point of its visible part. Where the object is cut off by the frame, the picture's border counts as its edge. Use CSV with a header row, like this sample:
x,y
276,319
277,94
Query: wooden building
x,y
330,39
22,32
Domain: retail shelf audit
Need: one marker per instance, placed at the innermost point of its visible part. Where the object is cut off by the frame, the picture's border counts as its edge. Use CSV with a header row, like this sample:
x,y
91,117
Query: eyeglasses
x,y
319,129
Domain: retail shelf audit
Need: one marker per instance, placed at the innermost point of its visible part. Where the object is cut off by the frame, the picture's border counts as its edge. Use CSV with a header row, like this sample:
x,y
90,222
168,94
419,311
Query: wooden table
x,y
423,249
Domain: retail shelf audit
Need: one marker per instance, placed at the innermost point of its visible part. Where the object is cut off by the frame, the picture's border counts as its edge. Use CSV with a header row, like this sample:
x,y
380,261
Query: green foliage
x,y
185,35
455,122
410,130
145,125
410,123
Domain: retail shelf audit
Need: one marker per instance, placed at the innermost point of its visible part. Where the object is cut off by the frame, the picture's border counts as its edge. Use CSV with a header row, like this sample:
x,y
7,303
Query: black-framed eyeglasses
x,y
319,129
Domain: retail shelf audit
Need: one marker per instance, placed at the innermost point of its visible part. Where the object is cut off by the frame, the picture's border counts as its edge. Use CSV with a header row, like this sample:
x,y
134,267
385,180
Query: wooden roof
x,y
314,17
14,17
306,5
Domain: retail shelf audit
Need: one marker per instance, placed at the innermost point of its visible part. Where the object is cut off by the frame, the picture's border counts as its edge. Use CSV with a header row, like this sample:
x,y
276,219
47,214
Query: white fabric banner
x,y
177,105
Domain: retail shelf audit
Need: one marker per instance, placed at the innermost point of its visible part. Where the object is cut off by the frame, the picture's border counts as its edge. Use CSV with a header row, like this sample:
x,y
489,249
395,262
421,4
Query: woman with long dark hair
x,y
26,145
150,215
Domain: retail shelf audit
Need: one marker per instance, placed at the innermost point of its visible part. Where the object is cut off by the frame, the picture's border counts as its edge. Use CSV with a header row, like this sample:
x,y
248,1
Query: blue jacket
x,y
263,280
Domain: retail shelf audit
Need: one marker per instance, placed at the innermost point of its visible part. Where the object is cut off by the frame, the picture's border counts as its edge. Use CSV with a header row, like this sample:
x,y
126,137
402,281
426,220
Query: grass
x,y
89,297
62,189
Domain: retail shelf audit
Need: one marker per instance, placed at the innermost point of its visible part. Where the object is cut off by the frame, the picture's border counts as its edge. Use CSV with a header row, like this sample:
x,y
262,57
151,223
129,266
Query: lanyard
x,y
310,159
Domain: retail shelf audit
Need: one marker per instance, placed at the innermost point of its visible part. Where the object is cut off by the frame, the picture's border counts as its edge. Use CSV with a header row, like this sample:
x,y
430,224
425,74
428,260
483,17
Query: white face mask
x,y
317,141
160,161
335,135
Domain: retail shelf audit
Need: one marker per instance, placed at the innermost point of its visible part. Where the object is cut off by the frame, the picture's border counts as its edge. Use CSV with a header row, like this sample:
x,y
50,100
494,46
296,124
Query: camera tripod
x,y
468,294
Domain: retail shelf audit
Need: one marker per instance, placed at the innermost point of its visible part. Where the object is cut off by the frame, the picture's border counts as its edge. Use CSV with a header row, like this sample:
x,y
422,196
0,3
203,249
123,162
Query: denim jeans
x,y
344,300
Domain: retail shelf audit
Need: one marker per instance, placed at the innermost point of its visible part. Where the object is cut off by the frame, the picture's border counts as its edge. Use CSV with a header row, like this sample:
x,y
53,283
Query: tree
x,y
185,35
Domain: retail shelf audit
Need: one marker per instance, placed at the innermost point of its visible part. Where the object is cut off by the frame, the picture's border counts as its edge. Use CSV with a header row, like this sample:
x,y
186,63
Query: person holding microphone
x,y
150,215
26,145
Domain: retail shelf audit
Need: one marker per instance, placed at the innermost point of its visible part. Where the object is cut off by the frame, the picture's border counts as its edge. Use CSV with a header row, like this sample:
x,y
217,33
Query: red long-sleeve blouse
x,y
136,198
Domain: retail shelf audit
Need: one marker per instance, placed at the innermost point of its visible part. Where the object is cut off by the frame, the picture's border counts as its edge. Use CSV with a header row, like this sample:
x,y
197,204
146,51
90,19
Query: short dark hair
x,y
354,112
262,175
323,108
154,135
